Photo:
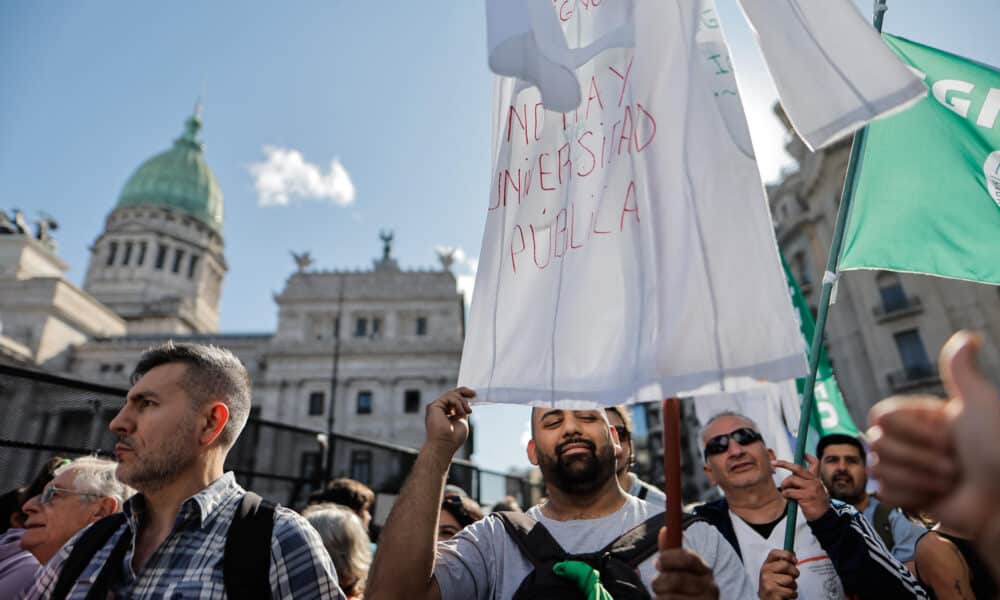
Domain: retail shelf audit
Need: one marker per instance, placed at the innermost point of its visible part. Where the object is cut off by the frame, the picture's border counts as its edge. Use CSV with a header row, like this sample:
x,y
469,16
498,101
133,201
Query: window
x,y
310,465
891,290
411,401
421,325
128,253
161,256
361,466
192,266
800,268
364,402
178,257
105,368
376,326
142,254
361,327
316,401
912,353
112,252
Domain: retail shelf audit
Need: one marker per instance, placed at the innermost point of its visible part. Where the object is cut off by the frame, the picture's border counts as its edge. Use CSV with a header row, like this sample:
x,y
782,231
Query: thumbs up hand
x,y
938,456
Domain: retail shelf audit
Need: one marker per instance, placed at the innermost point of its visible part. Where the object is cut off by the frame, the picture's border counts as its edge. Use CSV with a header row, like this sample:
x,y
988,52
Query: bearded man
x,y
185,410
586,511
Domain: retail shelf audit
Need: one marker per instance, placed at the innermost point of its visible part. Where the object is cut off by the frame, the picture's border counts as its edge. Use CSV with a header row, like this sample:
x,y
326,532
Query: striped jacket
x,y
865,566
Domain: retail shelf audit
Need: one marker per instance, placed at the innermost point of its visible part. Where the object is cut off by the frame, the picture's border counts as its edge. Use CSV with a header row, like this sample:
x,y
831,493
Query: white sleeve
x,y
462,564
730,575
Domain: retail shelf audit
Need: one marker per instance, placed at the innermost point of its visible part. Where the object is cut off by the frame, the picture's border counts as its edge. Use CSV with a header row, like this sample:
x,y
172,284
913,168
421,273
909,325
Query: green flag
x,y
831,415
927,198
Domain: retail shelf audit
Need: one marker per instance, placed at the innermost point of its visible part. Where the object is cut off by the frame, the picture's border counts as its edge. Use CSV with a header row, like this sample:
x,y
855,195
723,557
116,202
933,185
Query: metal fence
x,y
43,414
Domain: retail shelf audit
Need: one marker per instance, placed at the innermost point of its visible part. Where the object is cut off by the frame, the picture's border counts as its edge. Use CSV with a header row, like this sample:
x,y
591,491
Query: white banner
x,y
832,70
629,253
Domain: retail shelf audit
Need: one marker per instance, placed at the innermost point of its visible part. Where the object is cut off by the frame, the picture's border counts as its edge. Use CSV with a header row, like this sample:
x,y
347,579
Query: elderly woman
x,y
457,513
345,539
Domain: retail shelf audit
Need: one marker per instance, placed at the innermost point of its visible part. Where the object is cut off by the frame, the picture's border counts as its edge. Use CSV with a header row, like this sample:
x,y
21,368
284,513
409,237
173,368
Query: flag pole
x,y
671,413
829,279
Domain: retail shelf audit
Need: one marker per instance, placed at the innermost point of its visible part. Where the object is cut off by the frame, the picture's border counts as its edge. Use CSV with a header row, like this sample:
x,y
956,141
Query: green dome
x,y
178,179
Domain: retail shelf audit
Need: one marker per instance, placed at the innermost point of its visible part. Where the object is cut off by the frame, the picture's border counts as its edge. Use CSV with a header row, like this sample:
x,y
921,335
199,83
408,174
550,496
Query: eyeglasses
x,y
623,433
50,491
744,436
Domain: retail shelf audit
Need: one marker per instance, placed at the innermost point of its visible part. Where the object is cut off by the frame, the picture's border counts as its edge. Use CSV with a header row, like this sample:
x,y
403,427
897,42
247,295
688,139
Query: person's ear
x,y
216,417
617,444
773,457
532,453
708,473
104,506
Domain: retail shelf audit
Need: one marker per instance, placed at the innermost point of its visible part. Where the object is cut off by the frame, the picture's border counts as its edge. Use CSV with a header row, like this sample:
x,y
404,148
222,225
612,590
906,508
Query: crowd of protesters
x,y
165,521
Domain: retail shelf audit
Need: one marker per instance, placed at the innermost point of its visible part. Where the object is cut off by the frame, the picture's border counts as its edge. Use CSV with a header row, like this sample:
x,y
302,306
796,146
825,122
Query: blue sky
x,y
397,92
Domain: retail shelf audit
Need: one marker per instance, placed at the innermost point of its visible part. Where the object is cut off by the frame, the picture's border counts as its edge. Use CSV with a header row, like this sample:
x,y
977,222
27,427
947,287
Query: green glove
x,y
584,576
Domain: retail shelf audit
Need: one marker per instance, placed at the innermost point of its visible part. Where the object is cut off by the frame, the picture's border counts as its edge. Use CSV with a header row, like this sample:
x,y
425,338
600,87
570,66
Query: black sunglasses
x,y
744,436
623,433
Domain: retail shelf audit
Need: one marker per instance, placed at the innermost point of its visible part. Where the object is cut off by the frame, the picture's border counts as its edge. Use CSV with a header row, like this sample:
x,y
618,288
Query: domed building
x,y
358,352
159,262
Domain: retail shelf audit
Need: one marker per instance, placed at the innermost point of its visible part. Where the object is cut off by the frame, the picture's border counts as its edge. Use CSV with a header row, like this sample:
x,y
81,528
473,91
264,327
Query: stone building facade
x,y
368,348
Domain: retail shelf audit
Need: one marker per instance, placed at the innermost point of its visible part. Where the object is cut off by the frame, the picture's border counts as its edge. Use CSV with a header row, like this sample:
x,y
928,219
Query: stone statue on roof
x,y
302,261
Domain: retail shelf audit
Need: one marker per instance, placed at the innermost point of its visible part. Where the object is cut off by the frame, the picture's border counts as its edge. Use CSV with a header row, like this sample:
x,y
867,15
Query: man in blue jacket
x,y
837,554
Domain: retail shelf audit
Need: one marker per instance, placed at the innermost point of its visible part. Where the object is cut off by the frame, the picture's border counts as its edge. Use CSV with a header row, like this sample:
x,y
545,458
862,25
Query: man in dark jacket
x,y
836,551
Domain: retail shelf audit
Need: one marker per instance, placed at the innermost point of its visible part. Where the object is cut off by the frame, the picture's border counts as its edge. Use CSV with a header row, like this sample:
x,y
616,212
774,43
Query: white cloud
x,y
465,268
285,175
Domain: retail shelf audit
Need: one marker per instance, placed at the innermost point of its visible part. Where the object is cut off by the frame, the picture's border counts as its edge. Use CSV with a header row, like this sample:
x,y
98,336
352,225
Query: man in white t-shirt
x,y
586,510
837,553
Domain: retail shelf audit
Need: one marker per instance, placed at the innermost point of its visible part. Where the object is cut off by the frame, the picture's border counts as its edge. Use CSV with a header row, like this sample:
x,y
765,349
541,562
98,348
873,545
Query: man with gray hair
x,y
836,552
81,492
191,531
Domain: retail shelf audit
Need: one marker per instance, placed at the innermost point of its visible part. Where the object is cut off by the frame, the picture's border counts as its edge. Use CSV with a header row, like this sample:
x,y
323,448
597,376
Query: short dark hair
x,y
465,510
213,373
839,438
345,492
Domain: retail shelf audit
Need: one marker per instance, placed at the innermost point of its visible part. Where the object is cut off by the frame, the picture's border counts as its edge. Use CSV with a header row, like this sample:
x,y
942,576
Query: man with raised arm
x,y
586,512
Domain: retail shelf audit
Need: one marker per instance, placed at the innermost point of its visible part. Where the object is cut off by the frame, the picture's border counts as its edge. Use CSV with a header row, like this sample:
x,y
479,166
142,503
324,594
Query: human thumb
x,y
960,372
661,539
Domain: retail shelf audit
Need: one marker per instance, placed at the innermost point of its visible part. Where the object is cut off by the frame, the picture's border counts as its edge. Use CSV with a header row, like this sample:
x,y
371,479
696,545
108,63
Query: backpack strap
x,y
639,543
882,526
246,565
86,546
535,542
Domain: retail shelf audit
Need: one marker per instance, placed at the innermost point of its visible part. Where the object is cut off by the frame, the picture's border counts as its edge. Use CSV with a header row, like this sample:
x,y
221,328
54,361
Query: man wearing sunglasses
x,y
619,418
837,553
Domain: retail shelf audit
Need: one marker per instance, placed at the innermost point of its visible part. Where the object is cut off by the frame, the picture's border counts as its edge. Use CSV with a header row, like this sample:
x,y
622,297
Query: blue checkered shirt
x,y
188,564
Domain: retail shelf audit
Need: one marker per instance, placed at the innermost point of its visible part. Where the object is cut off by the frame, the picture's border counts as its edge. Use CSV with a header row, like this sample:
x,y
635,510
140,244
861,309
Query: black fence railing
x,y
42,414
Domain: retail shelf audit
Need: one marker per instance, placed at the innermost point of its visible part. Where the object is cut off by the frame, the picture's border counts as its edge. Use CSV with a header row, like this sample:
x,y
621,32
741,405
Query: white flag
x,y
629,253
832,70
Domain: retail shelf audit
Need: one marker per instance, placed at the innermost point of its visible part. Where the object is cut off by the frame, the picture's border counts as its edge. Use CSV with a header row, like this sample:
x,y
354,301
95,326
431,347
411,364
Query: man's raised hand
x,y
447,419
681,573
804,486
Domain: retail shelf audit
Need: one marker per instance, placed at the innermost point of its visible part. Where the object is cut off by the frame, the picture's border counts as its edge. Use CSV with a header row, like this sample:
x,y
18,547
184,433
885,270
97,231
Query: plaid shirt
x,y
188,564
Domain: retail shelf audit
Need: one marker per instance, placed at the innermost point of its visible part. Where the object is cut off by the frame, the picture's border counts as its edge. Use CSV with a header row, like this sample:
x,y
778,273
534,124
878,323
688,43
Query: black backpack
x,y
245,567
618,563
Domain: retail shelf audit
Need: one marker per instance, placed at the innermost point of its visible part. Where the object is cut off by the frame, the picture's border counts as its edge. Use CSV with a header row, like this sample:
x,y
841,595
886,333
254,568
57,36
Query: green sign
x,y
831,415
927,198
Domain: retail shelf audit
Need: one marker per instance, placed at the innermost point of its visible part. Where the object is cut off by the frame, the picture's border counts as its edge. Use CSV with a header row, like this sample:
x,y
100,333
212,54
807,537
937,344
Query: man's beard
x,y
845,489
580,473
152,471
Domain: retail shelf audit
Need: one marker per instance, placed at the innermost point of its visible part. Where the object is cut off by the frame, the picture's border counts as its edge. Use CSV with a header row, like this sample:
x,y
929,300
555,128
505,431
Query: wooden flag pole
x,y
829,279
671,411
